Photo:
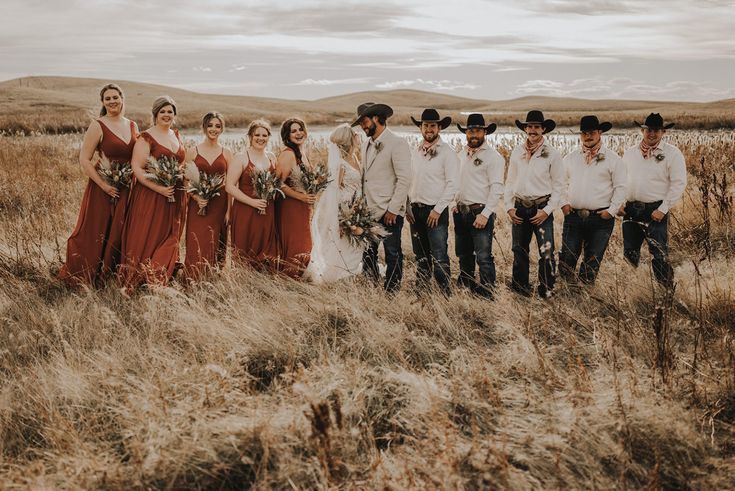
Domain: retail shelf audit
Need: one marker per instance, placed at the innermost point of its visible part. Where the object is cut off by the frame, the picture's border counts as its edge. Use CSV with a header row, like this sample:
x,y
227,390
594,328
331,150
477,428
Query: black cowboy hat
x,y
370,109
432,116
591,123
655,121
537,117
477,120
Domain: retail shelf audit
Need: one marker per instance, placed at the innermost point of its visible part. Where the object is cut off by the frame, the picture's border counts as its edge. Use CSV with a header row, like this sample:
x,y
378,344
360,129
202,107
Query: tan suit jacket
x,y
386,177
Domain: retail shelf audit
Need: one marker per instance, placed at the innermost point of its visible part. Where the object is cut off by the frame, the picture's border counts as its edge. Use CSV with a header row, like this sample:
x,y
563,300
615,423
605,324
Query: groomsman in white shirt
x,y
435,167
657,178
533,189
595,190
480,189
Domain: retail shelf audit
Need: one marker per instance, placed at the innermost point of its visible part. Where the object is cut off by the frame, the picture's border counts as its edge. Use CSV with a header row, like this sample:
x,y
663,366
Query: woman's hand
x,y
200,201
309,199
167,192
110,190
259,204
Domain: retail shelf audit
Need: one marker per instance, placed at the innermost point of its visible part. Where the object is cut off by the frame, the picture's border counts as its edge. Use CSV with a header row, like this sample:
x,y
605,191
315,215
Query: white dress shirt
x,y
599,184
435,178
656,178
481,178
531,179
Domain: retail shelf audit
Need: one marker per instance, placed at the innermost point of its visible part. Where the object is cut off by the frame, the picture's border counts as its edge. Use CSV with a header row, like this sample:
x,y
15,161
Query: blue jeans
x,y
639,226
474,245
430,247
393,258
522,234
587,236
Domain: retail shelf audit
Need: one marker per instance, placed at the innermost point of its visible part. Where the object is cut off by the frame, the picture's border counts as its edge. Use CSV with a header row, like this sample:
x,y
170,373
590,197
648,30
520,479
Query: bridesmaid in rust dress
x,y
150,247
253,220
93,249
206,235
293,214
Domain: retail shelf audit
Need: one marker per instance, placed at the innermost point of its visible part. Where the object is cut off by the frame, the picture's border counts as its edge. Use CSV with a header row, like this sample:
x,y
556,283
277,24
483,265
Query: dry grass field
x,y
247,380
66,105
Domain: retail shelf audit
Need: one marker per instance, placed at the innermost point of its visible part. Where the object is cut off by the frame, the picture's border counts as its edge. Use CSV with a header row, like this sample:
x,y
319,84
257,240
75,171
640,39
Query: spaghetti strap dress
x,y
293,226
254,239
93,249
206,235
150,245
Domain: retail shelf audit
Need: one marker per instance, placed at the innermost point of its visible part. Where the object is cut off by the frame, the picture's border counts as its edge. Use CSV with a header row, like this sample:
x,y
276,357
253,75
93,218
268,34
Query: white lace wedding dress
x,y
334,257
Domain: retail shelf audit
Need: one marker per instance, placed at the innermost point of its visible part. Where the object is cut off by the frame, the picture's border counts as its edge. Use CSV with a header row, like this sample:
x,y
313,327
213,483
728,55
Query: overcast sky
x,y
655,49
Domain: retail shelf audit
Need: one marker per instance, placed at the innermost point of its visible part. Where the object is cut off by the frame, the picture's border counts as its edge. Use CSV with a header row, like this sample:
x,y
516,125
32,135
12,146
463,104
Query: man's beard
x,y
474,142
431,138
371,130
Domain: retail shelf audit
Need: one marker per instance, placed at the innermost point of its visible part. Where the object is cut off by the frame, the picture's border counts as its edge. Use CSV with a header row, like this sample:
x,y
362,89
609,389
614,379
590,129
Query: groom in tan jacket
x,y
386,177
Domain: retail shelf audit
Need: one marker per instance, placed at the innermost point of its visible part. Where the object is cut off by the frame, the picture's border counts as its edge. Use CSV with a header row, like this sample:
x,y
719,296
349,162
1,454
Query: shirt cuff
x,y
664,208
548,209
440,207
486,212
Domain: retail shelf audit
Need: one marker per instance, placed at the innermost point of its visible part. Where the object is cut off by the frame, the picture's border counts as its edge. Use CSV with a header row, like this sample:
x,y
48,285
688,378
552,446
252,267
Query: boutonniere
x,y
659,156
544,153
599,157
477,161
378,147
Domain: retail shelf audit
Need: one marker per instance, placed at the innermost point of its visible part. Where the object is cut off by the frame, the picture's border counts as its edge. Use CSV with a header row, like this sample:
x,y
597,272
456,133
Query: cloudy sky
x,y
487,49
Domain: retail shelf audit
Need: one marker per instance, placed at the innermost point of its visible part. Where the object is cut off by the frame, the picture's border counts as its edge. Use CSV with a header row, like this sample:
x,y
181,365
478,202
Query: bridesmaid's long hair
x,y
286,136
103,109
342,136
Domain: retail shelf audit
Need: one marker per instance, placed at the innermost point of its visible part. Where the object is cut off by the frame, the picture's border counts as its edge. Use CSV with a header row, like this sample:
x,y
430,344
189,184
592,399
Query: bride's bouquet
x,y
114,173
203,184
315,180
266,185
164,171
357,223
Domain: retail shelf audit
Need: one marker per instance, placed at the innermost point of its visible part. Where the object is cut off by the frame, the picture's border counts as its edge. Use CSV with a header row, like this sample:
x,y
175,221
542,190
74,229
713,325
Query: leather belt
x,y
465,209
585,213
422,205
531,202
640,205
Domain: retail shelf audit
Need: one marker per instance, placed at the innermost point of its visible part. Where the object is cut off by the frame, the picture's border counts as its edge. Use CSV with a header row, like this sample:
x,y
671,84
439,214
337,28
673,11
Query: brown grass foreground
x,y
251,380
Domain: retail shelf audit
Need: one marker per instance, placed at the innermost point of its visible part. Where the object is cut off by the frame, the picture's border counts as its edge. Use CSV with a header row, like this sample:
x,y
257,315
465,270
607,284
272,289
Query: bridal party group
x,y
323,221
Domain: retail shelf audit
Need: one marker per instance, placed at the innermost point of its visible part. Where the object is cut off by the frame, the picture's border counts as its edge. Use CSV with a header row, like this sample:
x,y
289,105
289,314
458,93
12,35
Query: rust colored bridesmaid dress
x,y
253,235
206,236
93,249
293,226
150,245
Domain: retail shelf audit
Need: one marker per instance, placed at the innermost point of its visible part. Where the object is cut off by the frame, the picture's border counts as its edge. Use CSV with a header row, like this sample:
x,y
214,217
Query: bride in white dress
x,y
333,257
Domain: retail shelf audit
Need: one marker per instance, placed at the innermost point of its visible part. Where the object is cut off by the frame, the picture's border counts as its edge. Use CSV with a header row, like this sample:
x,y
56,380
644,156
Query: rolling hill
x,y
64,104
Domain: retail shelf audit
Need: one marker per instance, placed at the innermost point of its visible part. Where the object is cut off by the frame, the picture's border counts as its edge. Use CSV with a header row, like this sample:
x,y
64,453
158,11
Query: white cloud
x,y
428,84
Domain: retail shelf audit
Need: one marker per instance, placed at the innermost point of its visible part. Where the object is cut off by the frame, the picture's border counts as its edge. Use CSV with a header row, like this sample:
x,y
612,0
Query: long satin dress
x,y
254,239
293,226
150,247
93,249
206,235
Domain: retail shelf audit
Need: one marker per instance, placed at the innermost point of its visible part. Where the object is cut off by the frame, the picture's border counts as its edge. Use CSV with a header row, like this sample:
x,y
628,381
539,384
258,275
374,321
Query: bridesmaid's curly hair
x,y
105,88
258,123
286,136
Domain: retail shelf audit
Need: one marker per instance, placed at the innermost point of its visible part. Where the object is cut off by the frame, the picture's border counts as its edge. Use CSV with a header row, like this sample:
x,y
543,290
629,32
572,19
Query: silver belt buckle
x,y
583,214
527,203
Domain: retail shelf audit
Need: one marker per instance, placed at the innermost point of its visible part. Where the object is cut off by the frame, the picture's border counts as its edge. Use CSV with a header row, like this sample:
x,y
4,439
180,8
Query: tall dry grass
x,y
251,380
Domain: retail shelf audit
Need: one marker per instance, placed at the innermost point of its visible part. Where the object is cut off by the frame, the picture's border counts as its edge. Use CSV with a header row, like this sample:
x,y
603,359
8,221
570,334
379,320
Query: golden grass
x,y
251,380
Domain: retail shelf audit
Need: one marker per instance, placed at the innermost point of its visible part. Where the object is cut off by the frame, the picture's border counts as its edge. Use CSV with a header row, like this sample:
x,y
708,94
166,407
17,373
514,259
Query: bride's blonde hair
x,y
342,137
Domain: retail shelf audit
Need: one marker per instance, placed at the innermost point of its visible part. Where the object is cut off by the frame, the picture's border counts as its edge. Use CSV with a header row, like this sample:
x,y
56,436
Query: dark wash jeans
x,y
393,258
522,234
430,247
587,236
474,245
639,226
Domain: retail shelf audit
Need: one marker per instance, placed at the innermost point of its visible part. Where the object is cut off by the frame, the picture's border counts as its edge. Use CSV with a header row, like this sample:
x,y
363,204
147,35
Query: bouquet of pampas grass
x,y
203,184
115,173
315,180
266,185
358,224
164,171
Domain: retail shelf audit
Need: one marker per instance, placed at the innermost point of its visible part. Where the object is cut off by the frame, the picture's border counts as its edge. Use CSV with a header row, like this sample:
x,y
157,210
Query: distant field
x,y
66,104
